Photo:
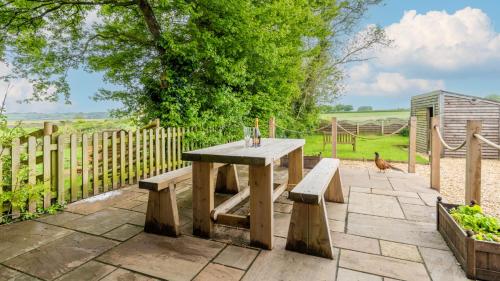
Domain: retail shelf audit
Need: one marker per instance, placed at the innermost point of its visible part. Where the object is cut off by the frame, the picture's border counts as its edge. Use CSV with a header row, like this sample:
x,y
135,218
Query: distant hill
x,y
56,116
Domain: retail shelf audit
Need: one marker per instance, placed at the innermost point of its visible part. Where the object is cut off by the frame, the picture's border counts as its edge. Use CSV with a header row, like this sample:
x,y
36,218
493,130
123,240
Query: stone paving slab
x,y
126,275
123,232
400,251
105,220
92,270
442,265
419,213
59,219
397,230
60,256
163,257
14,275
384,266
218,272
408,200
280,264
374,204
19,238
102,201
354,242
237,257
351,275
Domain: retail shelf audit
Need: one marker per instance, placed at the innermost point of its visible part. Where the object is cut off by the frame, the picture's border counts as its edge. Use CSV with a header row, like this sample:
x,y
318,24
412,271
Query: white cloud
x,y
364,82
428,50
21,89
442,41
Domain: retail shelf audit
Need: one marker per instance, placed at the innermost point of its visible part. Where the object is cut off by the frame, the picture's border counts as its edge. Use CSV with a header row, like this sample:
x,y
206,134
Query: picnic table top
x,y
236,153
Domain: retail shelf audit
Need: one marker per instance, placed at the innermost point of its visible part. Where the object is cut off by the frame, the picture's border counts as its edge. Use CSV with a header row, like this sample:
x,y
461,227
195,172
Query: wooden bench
x,y
309,232
342,138
162,215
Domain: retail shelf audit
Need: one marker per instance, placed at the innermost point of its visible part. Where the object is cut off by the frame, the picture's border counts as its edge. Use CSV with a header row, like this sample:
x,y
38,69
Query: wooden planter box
x,y
309,161
479,259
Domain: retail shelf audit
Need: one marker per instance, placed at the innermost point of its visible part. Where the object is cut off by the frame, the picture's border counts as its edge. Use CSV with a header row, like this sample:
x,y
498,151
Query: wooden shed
x,y
454,110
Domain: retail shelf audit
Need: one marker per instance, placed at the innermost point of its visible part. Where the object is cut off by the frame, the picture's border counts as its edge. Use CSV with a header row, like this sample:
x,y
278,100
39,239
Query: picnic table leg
x,y
261,206
295,167
203,197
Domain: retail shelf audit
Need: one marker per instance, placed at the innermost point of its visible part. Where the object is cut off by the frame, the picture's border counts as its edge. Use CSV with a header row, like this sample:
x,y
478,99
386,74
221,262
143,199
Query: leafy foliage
x,y
472,218
203,63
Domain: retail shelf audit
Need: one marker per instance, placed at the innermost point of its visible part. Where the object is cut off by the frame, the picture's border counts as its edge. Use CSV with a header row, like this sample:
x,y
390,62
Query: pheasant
x,y
384,165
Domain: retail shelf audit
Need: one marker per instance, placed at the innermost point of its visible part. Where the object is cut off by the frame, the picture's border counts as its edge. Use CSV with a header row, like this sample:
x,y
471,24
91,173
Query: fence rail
x,y
76,166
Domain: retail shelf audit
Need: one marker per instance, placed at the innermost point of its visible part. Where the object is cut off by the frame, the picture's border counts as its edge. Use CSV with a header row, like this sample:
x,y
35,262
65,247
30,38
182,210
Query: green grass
x,y
391,148
368,115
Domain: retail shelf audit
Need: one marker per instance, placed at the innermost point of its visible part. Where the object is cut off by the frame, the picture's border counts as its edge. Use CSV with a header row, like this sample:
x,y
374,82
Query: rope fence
x,y
473,143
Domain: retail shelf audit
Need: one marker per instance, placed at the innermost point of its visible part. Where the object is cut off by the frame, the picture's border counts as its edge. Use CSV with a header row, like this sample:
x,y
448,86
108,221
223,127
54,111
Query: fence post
x,y
272,127
334,137
382,127
412,147
435,155
357,128
473,163
49,164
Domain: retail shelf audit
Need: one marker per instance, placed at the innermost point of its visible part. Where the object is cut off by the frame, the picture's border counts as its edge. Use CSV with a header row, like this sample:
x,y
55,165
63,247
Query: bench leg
x,y
203,197
334,191
227,180
162,216
309,232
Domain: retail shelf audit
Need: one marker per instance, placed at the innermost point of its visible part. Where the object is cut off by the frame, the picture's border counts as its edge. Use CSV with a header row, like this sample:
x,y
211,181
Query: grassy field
x,y
369,115
391,148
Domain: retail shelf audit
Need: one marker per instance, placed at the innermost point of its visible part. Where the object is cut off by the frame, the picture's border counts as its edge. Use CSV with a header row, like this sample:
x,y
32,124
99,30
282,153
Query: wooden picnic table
x,y
260,161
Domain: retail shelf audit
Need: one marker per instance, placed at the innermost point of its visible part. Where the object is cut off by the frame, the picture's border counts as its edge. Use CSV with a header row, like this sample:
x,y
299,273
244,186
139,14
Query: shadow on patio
x,y
386,231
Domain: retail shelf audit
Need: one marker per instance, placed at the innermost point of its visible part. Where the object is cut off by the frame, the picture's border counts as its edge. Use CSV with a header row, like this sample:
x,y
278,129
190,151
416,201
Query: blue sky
x,y
446,44
455,28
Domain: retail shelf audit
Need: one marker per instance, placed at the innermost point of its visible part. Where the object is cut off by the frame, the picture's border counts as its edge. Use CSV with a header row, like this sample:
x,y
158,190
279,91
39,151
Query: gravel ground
x,y
453,180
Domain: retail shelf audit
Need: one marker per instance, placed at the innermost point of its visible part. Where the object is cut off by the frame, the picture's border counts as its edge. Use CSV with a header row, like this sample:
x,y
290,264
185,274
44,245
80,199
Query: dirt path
x,y
453,180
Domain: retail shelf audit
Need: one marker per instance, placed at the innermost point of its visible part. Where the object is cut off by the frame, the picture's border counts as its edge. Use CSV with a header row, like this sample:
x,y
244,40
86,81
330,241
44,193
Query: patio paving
x,y
385,231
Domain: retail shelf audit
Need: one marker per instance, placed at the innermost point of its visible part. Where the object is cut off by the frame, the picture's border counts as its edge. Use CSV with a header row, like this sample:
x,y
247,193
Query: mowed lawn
x,y
368,115
392,148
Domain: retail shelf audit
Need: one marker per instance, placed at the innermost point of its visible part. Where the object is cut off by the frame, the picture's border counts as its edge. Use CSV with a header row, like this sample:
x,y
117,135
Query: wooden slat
x,y
105,162
151,154
47,196
145,165
73,168
60,170
163,151
95,163
173,164
2,151
114,162
179,149
131,175
32,170
162,181
85,166
237,153
138,155
312,188
157,152
123,170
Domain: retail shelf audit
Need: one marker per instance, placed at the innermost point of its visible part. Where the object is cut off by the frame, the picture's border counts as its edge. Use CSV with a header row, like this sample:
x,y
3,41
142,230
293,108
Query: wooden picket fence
x,y
76,166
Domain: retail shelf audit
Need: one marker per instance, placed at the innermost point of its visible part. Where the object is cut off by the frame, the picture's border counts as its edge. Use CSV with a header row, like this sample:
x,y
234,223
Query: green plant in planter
x,y
472,218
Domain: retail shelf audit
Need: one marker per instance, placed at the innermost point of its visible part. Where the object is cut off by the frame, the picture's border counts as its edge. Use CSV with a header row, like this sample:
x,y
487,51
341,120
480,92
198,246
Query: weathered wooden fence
x,y
76,166
372,127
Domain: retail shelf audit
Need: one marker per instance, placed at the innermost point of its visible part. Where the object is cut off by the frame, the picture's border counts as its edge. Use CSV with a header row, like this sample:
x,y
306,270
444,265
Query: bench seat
x,y
309,231
162,214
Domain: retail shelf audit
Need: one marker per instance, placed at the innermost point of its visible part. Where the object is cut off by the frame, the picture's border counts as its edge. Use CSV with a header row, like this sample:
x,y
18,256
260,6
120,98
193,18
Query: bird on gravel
x,y
384,165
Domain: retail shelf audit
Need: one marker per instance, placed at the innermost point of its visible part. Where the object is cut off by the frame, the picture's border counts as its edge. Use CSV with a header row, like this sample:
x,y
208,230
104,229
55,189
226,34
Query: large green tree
x,y
191,63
